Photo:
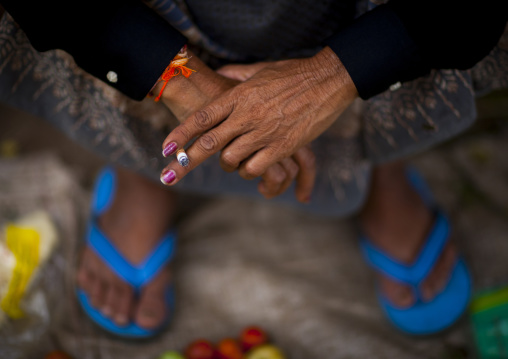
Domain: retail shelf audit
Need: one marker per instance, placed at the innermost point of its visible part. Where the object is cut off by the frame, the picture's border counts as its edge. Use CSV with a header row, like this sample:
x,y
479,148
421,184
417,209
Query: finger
x,y
259,163
271,181
200,150
306,177
291,168
241,72
198,123
240,149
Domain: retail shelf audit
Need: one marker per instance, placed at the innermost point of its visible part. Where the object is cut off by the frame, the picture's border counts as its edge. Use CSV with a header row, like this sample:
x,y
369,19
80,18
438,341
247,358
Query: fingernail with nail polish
x,y
168,176
169,149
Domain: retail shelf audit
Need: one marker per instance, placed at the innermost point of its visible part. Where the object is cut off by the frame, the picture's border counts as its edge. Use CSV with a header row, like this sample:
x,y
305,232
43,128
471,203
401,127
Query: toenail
x,y
149,314
106,311
121,320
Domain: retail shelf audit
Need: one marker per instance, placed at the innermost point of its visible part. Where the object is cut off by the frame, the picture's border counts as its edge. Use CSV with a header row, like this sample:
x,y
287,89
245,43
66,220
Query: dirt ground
x,y
300,276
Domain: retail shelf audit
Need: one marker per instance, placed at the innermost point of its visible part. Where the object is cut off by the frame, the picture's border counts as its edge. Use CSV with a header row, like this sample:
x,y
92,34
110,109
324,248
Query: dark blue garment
x,y
262,30
121,36
398,41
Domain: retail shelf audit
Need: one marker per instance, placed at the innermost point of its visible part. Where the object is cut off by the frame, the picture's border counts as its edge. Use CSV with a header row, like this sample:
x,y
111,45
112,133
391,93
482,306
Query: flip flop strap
x,y
416,272
420,186
104,190
135,275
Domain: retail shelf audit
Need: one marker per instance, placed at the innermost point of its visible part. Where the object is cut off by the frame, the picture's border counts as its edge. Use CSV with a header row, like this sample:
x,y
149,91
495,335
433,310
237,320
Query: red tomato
x,y
229,349
252,337
57,354
200,349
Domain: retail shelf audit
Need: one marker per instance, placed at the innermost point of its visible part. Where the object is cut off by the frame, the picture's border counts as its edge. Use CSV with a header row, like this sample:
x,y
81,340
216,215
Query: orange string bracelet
x,y
175,68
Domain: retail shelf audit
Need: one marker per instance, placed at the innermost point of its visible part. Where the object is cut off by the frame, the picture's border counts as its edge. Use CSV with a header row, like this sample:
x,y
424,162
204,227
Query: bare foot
x,y
139,216
397,221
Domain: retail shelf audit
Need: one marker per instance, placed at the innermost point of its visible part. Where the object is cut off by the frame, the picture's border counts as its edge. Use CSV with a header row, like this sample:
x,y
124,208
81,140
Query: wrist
x,y
203,82
177,84
330,69
184,95
177,66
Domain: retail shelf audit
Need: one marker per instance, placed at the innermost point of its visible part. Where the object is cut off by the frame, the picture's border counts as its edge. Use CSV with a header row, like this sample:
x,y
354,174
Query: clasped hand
x,y
263,125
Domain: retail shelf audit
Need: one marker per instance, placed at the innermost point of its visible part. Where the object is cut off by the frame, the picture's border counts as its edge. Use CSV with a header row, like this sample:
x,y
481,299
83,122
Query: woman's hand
x,y
267,118
301,168
185,96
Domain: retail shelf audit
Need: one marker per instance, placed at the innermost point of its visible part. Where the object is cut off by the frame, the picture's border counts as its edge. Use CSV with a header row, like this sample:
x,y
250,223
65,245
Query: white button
x,y
112,77
395,86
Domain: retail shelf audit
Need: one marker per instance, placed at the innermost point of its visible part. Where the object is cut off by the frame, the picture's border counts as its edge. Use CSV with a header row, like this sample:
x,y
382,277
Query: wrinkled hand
x,y
184,97
301,167
268,117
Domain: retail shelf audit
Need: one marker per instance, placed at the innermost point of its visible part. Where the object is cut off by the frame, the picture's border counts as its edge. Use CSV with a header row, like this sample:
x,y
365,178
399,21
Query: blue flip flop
x,y
423,318
135,275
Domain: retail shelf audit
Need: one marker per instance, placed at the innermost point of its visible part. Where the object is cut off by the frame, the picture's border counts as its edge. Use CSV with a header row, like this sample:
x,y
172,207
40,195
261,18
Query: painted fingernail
x,y
182,158
169,149
168,176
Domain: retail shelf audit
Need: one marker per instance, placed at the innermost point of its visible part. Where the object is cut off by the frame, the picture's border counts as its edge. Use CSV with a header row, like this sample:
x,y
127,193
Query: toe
x,y
152,309
90,280
125,305
440,275
398,294
118,302
98,293
85,279
150,312
405,297
110,301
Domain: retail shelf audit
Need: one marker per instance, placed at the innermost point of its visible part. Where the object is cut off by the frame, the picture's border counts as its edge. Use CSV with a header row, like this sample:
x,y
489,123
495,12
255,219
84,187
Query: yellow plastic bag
x,y
24,246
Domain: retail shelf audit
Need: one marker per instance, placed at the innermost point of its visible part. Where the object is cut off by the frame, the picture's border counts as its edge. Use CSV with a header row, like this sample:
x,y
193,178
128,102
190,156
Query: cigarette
x,y
182,158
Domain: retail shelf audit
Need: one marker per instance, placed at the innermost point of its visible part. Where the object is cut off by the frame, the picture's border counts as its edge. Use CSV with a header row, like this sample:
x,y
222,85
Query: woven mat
x,y
240,263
